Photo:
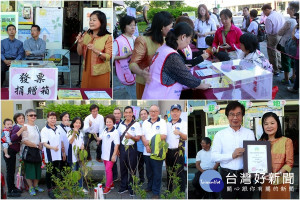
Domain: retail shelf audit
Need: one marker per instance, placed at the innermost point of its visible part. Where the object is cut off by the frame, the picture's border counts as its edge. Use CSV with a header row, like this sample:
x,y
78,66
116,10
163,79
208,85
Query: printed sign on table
x,y
33,83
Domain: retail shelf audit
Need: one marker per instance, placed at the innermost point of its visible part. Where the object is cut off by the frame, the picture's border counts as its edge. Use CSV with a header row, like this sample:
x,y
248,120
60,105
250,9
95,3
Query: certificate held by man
x,y
257,157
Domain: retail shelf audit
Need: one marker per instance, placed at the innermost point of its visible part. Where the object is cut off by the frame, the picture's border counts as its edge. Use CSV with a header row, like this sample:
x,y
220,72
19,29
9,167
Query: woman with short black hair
x,y
168,71
122,51
249,44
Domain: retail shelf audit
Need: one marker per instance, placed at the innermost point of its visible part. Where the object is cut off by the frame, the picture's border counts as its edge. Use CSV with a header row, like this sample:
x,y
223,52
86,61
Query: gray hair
x,y
294,5
154,106
29,111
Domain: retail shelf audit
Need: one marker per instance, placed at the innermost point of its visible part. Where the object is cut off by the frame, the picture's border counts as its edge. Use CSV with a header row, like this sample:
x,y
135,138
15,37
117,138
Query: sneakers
x,y
37,188
112,185
131,193
106,190
13,194
16,190
121,191
284,82
32,191
85,191
276,74
291,89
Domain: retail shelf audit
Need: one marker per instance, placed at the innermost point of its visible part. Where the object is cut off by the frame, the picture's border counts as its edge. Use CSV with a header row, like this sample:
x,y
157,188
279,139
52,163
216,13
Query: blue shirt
x,y
37,48
12,49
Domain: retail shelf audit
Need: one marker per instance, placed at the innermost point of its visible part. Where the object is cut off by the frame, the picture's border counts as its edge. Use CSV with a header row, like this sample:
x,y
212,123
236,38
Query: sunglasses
x,y
31,115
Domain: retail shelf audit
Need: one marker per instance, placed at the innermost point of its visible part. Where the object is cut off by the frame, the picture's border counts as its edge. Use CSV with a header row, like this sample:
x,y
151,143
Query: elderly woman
x,y
282,154
53,150
286,33
13,149
227,37
31,138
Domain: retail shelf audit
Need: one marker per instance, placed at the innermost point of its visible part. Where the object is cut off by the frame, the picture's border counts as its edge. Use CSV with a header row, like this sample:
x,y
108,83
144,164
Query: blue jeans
x,y
131,90
75,167
154,174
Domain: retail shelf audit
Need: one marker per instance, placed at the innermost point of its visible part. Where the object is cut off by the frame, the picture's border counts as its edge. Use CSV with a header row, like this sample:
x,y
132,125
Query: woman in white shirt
x,y
63,130
110,145
75,136
52,150
31,138
204,26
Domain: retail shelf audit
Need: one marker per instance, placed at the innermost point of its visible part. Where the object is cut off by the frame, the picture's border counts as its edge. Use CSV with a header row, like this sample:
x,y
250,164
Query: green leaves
x,y
76,176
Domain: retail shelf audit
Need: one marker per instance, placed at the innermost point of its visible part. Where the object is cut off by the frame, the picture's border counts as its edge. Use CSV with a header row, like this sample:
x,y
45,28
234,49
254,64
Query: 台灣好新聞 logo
x,y
211,181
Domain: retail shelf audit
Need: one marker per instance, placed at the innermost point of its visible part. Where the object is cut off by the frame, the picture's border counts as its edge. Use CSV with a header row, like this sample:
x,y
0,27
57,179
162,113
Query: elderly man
x,y
228,150
11,49
35,47
176,136
274,23
203,163
150,129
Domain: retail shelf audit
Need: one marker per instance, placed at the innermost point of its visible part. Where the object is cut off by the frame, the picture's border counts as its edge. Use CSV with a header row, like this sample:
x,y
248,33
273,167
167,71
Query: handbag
x,y
32,154
291,47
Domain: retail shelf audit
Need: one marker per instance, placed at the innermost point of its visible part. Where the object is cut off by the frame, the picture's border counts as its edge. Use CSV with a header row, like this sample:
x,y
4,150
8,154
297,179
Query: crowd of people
x,y
133,143
227,151
157,64
95,45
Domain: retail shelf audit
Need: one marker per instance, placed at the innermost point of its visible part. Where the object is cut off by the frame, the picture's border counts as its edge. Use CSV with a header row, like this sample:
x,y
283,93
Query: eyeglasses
x,y
31,115
232,115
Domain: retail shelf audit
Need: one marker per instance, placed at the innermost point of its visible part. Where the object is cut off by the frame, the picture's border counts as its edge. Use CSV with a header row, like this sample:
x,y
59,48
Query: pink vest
x,y
122,66
156,89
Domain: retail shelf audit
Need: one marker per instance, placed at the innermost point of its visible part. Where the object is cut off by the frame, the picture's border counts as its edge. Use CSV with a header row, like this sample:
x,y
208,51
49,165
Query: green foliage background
x,y
77,110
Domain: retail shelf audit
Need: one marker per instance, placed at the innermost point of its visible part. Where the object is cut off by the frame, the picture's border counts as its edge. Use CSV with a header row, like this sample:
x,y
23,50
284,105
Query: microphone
x,y
82,32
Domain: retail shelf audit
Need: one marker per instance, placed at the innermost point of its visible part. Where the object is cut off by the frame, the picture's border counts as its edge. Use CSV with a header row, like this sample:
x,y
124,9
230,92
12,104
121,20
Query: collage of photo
x,y
149,99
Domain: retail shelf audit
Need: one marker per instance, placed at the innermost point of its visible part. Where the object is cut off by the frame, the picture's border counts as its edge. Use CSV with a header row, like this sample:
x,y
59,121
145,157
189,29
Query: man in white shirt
x,y
150,128
228,150
176,136
93,124
246,19
130,132
253,27
203,163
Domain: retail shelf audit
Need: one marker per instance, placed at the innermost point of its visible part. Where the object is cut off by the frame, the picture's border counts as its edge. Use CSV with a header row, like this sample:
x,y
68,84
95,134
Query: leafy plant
x,y
77,110
175,12
175,193
137,187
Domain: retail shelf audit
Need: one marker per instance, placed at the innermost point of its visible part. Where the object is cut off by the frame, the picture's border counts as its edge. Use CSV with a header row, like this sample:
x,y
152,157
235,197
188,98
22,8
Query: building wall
x,y
7,110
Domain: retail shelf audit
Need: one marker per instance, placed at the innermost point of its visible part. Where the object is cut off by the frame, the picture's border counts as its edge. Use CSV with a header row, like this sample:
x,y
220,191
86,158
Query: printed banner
x,y
6,19
25,11
107,11
33,83
51,21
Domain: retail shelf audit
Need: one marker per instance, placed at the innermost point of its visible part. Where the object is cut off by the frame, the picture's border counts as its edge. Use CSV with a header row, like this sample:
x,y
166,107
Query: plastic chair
x,y
56,55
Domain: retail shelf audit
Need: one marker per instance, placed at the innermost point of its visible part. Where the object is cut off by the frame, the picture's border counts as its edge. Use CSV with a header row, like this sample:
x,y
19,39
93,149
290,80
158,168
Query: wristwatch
x,y
100,53
37,146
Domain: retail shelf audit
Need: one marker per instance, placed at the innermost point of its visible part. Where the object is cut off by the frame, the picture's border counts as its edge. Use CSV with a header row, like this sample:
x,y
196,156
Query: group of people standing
x,y
157,64
130,141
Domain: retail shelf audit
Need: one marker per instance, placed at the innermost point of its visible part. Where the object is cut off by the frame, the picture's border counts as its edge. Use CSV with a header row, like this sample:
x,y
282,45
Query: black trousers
x,y
55,165
4,69
87,141
140,159
10,169
115,171
234,194
172,159
127,165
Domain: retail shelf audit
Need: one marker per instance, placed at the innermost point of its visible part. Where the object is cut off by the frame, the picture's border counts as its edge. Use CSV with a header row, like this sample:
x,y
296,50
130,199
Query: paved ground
x,y
98,173
120,92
